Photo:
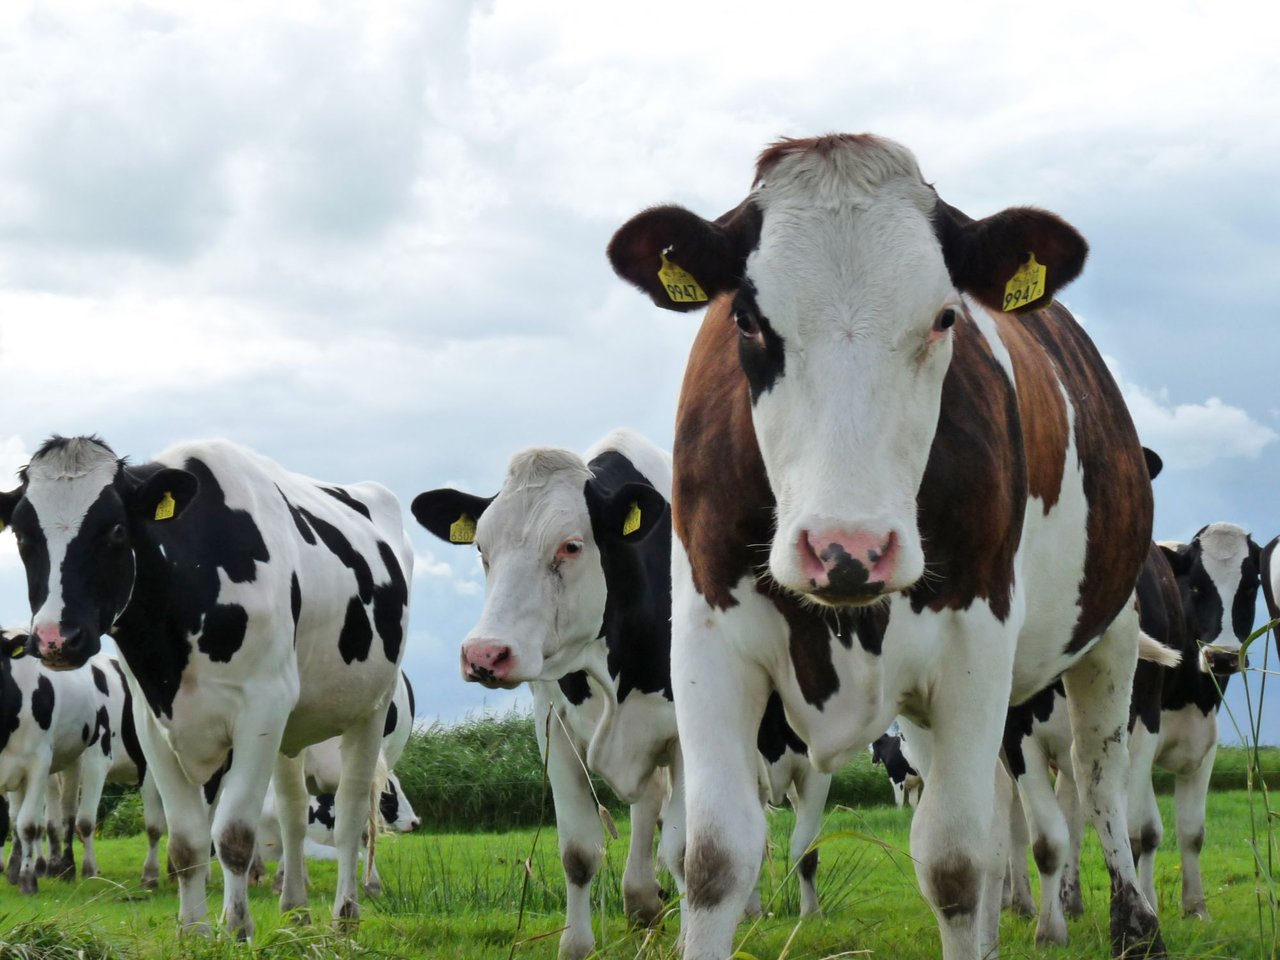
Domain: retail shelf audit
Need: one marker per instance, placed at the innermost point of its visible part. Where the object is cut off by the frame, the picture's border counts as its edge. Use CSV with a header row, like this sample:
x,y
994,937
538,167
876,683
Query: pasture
x,y
458,894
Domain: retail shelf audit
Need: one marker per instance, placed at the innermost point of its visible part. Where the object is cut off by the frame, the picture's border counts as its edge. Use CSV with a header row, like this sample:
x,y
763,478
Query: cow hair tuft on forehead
x,y
1221,540
859,161
66,457
536,466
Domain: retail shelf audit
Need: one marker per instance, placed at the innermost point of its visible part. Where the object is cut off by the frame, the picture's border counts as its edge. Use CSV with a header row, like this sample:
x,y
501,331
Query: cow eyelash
x,y
945,320
746,323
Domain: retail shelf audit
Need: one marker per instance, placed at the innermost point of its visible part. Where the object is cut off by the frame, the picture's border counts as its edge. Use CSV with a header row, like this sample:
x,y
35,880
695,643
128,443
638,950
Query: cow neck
x,y
636,626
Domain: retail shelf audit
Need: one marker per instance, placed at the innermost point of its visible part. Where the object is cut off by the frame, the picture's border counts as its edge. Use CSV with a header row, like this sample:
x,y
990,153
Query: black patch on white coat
x,y
99,679
129,732
886,750
575,687
408,688
637,617
295,604
1020,720
345,498
392,718
223,632
356,638
775,736
321,810
389,601
42,703
761,351
102,730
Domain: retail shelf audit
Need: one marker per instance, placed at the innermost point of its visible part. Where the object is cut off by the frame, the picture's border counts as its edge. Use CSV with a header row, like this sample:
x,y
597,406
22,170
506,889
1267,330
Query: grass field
x,y
458,895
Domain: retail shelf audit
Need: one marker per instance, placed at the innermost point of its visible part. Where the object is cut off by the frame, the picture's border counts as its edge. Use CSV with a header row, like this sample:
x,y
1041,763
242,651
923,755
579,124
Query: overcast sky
x,y
367,239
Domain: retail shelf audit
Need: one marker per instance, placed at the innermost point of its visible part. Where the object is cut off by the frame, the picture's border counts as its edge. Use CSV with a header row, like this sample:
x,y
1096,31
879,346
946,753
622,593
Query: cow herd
x,y
904,490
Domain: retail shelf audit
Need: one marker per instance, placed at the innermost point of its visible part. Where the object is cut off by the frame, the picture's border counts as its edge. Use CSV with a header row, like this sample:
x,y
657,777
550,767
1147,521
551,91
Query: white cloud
x,y
426,565
1192,434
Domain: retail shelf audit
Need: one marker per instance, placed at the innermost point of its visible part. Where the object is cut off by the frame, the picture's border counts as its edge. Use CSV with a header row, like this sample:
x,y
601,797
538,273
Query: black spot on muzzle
x,y
848,580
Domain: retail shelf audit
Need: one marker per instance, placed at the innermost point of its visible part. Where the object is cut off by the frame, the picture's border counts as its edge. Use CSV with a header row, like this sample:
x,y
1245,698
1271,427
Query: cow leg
x,y
187,817
56,828
640,899
1146,829
1068,796
1050,841
809,798
31,814
960,831
153,817
13,803
1098,687
1020,900
720,700
93,776
1191,792
372,882
671,845
577,826
361,745
291,813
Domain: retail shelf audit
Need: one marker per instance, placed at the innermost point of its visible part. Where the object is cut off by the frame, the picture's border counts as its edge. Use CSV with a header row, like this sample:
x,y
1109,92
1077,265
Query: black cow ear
x,y
13,644
629,514
8,502
450,514
1179,558
681,260
1154,463
164,494
1012,261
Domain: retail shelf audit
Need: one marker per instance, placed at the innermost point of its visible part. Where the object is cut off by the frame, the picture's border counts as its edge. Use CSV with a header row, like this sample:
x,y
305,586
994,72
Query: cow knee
x,y
709,874
809,865
1048,856
579,866
1194,843
954,883
182,856
84,830
235,847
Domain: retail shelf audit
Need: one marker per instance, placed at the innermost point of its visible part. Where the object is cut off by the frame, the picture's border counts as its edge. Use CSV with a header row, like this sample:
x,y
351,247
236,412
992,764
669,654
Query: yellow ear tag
x,y
462,530
1026,286
681,287
632,523
18,651
166,507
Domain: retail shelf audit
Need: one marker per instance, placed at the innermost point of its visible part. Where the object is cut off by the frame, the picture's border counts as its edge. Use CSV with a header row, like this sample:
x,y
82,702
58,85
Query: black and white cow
x,y
72,810
1271,583
905,484
1199,599
889,750
256,612
577,552
50,723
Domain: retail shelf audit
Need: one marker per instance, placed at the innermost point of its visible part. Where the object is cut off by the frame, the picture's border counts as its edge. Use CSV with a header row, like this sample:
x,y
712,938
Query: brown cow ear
x,y
681,260
1012,261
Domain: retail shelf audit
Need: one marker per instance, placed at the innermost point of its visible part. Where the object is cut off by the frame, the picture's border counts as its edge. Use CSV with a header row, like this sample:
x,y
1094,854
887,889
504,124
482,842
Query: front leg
x,y
1098,697
361,747
153,817
1190,793
1018,879
31,815
640,898
1051,841
93,776
1068,795
291,799
577,820
809,798
720,698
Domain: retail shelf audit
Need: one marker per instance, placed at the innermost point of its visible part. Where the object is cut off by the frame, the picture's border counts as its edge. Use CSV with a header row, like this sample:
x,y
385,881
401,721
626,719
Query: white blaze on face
x,y
850,275
544,583
61,487
1224,547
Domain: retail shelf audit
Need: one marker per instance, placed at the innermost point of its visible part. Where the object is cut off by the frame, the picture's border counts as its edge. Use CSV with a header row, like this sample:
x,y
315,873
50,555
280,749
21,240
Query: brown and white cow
x,y
936,508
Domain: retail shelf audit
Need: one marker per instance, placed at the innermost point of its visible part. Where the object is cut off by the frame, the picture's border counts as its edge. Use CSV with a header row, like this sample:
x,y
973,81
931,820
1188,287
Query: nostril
x,y
502,655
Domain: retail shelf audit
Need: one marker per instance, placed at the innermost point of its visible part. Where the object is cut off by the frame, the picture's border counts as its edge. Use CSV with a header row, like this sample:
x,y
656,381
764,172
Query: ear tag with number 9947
x,y
1026,286
680,285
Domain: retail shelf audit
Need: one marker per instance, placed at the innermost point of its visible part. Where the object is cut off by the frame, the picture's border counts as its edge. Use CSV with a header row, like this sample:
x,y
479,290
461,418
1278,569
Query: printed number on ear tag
x,y
166,507
18,651
679,283
632,523
462,530
1026,285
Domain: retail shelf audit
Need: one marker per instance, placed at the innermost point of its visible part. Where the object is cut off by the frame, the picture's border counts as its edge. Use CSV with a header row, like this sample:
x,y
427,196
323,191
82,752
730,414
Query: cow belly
x,y
331,700
1186,737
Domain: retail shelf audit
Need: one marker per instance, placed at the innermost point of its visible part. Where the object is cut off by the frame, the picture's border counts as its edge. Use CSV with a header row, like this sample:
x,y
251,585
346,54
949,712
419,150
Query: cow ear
x,y
450,514
8,502
1012,261
1154,463
681,260
164,495
1179,558
13,644
628,514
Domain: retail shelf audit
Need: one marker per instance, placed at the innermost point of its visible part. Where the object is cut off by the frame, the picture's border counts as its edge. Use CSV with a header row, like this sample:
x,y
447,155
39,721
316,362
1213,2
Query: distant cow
x,y
576,552
255,610
1199,599
889,751
892,496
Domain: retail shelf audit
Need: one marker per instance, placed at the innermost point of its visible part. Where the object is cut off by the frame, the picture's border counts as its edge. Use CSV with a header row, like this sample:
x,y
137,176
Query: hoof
x,y
43,866
297,917
1197,910
575,947
150,883
1135,931
1022,908
27,885
347,919
1051,936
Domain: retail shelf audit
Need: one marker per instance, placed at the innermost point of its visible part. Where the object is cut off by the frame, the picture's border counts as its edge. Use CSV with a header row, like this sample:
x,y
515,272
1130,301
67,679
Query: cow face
x,y
1218,577
75,519
397,812
844,272
539,542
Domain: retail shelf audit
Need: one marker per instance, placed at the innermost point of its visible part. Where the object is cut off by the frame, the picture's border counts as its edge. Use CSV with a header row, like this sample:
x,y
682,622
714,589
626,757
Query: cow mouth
x,y
844,595
59,662
486,678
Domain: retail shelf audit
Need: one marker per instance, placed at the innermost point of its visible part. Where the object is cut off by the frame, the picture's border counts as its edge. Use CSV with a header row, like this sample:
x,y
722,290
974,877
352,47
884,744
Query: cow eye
x,y
746,322
117,535
570,548
945,320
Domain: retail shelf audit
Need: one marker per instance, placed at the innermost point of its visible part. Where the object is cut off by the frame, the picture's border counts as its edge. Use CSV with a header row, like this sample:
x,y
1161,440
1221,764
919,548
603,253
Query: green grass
x,y
457,896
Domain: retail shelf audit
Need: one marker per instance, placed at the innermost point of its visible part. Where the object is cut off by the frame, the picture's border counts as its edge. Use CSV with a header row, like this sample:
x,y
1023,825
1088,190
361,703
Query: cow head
x,y
539,541
844,274
1218,578
14,643
76,518
397,812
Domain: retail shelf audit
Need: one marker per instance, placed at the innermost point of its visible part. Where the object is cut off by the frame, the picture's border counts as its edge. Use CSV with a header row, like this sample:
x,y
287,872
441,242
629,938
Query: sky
x,y
367,239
